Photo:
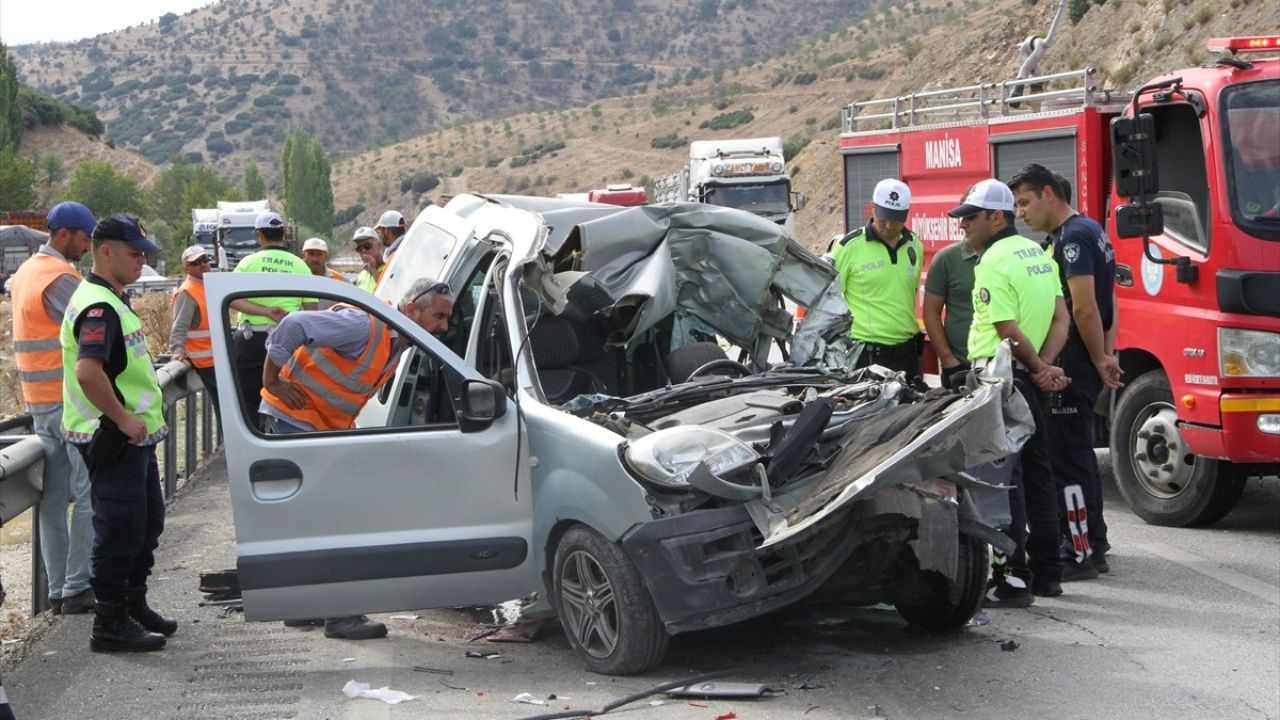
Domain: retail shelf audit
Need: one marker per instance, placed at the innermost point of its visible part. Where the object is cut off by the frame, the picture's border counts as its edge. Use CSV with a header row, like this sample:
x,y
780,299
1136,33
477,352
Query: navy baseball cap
x,y
127,230
71,215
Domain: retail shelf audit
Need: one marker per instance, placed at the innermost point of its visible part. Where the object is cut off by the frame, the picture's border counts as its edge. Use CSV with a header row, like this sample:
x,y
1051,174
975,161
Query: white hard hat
x,y
315,244
389,219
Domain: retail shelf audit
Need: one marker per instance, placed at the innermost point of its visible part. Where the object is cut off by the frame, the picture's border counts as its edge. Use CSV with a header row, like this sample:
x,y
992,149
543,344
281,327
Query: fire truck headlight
x,y
1269,424
1248,353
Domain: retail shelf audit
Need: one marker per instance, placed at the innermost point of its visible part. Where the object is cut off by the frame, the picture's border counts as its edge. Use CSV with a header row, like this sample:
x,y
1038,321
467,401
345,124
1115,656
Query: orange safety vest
x,y
199,344
336,274
336,387
36,344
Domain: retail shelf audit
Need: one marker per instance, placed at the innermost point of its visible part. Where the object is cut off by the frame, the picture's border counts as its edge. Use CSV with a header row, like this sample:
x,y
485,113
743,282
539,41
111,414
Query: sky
x,y
30,21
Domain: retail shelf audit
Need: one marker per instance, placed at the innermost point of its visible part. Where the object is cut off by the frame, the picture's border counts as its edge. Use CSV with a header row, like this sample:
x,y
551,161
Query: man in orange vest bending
x,y
321,368
40,291
189,338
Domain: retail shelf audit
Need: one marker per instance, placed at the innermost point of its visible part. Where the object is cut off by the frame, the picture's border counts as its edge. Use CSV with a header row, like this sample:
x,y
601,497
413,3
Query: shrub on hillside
x,y
728,120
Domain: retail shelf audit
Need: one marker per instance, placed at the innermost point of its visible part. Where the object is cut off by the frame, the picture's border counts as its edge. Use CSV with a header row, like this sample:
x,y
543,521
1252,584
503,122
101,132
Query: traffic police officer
x,y
879,266
1017,297
257,316
1087,266
114,409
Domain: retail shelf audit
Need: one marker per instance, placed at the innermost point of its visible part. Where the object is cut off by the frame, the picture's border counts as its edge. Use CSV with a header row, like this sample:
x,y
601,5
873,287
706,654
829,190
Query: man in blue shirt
x,y
1087,267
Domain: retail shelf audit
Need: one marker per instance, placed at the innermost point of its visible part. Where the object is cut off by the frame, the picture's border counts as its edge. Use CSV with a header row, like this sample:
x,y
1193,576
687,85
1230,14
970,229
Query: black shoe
x,y
1007,591
1046,588
1073,570
1100,562
55,606
150,619
309,622
356,627
115,631
78,604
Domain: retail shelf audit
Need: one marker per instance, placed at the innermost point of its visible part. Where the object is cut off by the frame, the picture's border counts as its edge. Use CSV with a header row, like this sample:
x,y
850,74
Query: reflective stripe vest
x,y
336,387
199,345
36,346
367,280
136,385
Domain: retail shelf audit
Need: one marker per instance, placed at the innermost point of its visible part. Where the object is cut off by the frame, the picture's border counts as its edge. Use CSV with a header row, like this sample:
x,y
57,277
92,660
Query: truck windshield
x,y
759,198
1251,126
240,238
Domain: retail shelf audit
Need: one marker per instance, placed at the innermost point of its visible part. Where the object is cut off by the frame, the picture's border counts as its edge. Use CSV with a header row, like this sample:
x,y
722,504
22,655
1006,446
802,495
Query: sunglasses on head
x,y
437,288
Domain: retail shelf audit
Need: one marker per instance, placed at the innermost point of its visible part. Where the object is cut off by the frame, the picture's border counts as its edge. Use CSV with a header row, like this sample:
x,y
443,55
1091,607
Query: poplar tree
x,y
308,192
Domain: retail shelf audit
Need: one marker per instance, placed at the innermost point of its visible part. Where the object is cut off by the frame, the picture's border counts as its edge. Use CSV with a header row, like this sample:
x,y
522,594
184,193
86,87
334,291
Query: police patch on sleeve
x,y
1071,252
985,296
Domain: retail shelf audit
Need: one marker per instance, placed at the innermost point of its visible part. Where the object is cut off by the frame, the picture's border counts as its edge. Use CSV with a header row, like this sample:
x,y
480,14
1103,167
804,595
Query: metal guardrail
x,y
22,457
983,100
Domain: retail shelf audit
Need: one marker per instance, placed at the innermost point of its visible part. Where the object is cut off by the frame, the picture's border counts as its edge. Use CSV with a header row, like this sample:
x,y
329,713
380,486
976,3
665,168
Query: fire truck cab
x,y
1198,302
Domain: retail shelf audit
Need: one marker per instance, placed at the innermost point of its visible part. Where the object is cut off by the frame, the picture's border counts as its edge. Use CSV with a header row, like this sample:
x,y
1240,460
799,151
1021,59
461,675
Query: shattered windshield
x,y
758,198
1251,126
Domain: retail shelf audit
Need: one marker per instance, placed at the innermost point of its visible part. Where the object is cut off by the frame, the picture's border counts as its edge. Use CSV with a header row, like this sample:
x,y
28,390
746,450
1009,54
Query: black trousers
x,y
251,354
128,517
1075,466
1033,502
210,381
903,357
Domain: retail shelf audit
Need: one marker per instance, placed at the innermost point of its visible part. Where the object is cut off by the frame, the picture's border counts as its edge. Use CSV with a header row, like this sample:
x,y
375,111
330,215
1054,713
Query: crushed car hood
x,y
642,264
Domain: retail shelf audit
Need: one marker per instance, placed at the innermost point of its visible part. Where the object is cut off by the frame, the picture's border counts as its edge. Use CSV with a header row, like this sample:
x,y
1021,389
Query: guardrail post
x,y
170,452
206,422
911,118
39,579
189,436
982,101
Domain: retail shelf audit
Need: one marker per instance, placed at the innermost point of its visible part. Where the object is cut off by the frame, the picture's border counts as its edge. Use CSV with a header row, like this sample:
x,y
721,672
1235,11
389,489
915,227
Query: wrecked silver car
x,y
622,426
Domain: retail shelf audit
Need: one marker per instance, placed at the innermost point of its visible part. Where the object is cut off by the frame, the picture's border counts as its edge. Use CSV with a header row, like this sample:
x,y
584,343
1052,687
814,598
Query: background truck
x,y
235,237
1199,303
204,230
747,174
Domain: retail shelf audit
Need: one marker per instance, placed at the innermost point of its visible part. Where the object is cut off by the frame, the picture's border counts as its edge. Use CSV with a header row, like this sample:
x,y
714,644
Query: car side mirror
x,y
1133,152
801,200
483,401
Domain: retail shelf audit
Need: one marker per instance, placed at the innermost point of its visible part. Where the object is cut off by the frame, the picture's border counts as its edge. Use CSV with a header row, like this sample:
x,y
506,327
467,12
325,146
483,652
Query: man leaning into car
x,y
321,368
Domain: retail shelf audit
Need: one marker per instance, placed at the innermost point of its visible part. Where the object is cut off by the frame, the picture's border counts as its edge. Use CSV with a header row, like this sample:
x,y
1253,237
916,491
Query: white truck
x,y
747,174
204,230
235,237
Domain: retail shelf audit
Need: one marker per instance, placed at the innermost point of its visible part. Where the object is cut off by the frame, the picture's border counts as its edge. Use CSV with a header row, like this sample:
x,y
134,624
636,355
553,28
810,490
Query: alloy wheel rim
x,y
589,603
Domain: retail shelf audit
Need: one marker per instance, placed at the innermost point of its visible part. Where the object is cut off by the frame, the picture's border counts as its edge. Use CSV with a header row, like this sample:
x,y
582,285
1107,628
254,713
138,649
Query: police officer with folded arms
x,y
255,317
1017,297
114,410
879,266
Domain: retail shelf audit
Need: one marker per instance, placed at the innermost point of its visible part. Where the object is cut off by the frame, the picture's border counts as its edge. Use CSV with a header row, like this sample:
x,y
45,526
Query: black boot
x,y
115,631
148,618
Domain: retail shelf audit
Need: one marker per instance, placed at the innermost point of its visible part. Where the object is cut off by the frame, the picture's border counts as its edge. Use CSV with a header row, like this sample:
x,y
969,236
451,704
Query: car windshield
x,y
1251,113
758,198
239,237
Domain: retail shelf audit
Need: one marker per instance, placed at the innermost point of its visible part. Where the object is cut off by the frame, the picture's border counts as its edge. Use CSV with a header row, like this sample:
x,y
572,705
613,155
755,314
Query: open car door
x,y
430,509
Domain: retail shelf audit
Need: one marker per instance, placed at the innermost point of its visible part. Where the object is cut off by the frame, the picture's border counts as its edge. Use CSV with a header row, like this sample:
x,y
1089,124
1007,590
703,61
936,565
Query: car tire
x,y
1161,479
604,607
682,361
928,600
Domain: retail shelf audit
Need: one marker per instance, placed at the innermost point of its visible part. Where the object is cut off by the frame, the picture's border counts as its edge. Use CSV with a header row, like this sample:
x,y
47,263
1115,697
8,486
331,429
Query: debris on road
x,y
719,689
522,631
1009,645
482,655
436,671
528,699
355,690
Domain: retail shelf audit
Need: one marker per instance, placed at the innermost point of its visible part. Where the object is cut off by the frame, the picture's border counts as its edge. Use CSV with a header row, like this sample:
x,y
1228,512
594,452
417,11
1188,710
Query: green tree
x,y
50,174
17,182
254,187
175,193
10,112
308,191
105,191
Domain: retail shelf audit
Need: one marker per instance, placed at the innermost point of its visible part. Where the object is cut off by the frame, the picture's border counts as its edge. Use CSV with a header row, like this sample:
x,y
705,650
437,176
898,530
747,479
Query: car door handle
x,y
1124,276
275,479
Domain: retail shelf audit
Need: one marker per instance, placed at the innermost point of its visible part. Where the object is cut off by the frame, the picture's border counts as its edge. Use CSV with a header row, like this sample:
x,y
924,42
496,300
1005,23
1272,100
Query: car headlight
x,y
668,457
1248,353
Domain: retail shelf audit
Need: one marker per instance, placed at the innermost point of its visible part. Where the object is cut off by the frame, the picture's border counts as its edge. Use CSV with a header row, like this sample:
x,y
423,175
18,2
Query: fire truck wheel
x,y
1162,480
928,600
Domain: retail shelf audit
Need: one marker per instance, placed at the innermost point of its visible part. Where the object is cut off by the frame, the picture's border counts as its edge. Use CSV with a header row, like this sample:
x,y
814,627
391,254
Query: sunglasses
x,y
439,287
364,247
199,261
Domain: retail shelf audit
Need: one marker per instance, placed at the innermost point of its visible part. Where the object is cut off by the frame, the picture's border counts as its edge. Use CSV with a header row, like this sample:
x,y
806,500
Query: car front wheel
x,y
927,599
604,606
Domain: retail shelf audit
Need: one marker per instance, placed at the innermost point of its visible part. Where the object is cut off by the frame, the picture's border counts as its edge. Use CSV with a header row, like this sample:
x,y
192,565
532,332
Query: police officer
x,y
370,251
189,339
1087,266
257,316
879,266
114,409
1017,297
41,288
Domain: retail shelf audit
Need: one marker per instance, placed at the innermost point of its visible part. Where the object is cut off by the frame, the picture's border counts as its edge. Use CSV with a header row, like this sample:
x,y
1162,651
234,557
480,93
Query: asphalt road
x,y
1187,625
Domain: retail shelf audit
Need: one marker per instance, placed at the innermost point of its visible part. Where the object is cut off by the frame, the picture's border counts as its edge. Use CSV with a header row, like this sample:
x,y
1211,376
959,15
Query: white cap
x,y
986,195
268,219
315,244
390,218
364,232
194,252
892,199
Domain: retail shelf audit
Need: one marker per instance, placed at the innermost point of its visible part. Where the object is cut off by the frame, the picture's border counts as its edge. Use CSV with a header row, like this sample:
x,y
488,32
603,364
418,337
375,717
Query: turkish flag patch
x,y
95,312
93,333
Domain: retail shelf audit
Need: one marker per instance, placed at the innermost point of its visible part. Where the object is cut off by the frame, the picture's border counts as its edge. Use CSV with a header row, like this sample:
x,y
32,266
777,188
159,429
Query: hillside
x,y
227,81
796,95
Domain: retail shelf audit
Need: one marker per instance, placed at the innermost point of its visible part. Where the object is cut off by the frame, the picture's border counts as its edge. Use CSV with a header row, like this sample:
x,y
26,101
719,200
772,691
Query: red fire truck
x,y
1199,301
